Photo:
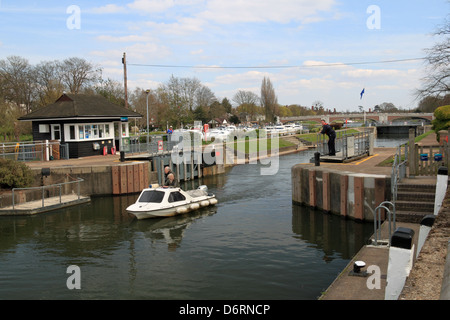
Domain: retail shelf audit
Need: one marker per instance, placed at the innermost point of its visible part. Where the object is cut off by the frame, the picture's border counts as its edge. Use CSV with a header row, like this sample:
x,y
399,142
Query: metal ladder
x,y
377,222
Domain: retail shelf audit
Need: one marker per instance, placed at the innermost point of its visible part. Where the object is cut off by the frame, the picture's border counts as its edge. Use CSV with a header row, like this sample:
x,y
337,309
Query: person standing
x,y
328,130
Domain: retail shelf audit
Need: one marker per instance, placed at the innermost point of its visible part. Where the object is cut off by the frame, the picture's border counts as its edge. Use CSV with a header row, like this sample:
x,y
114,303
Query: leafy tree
x,y
269,100
442,119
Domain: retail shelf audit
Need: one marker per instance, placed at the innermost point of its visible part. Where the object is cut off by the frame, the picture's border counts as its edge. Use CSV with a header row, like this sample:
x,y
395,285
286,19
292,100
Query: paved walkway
x,y
346,286
39,206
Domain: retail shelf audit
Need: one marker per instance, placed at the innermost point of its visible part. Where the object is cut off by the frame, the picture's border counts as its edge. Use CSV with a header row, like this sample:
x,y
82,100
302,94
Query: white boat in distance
x,y
163,202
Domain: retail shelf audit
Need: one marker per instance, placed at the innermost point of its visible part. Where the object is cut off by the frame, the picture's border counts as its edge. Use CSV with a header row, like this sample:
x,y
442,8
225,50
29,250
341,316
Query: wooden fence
x,y
426,160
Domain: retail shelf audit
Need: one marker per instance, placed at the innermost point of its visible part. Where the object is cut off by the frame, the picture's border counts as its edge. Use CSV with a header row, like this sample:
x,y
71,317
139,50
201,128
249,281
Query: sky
x,y
321,50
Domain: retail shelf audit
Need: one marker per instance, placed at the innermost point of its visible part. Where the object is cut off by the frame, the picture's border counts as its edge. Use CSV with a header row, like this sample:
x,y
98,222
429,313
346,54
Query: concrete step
x,y
410,216
416,196
428,188
416,206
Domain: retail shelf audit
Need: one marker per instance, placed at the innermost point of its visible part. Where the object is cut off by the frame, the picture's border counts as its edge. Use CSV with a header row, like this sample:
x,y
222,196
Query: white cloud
x,y
138,52
370,73
281,11
109,8
128,38
151,6
182,26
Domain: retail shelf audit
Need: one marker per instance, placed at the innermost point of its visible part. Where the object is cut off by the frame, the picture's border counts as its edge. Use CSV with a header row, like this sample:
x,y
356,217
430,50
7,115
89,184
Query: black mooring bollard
x,y
122,156
317,159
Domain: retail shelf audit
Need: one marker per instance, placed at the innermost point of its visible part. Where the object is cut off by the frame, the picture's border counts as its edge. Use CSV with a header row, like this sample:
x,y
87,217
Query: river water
x,y
254,244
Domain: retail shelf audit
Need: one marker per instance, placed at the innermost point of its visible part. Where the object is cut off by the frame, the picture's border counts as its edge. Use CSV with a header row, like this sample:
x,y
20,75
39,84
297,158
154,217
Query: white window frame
x,y
90,131
53,126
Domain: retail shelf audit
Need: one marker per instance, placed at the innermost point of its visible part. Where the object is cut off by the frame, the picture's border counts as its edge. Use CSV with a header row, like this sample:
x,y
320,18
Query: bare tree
x,y
205,97
18,85
437,82
189,88
269,100
111,90
246,97
49,82
78,73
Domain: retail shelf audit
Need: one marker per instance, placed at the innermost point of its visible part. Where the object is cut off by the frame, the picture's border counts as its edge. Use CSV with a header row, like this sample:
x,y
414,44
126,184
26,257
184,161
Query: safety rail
x,y
30,150
156,144
399,169
43,188
350,144
377,221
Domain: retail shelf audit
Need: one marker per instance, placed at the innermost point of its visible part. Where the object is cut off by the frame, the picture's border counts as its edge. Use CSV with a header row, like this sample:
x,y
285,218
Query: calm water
x,y
253,245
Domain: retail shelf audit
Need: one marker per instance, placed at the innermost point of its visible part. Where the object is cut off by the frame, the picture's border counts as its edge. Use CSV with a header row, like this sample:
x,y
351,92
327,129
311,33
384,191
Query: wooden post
x,y
359,197
344,194
413,161
326,191
124,61
312,189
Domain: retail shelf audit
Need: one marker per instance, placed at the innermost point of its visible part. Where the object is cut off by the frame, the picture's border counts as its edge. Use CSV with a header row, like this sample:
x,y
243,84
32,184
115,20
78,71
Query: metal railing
x,y
57,186
350,144
159,144
377,222
29,150
399,169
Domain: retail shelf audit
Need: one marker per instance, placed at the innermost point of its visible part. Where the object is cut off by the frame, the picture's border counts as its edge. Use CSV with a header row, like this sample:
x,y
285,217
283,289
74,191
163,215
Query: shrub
x,y
442,119
14,174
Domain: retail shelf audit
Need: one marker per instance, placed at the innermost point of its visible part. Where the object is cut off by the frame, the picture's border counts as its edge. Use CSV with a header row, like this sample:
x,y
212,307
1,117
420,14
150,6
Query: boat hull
x,y
141,213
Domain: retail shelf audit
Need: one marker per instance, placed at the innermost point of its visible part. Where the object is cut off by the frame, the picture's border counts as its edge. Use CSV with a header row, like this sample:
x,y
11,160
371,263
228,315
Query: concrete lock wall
x,y
123,178
348,194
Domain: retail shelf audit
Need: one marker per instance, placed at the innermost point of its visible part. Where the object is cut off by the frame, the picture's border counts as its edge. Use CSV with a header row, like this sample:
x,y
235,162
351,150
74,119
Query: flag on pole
x,y
362,92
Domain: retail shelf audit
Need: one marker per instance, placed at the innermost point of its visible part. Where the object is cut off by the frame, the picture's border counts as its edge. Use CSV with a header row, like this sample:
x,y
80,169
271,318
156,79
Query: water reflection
x,y
171,229
329,233
254,244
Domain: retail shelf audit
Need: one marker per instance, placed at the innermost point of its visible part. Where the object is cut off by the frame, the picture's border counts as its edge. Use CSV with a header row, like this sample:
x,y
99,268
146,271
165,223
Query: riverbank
x,y
428,274
359,167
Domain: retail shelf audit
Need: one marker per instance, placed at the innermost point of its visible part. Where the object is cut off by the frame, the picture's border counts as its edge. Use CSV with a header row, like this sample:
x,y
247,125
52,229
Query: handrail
x,y
361,142
49,186
377,231
398,170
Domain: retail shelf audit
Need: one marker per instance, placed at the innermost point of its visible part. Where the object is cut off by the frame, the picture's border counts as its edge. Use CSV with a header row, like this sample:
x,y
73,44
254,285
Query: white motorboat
x,y
167,202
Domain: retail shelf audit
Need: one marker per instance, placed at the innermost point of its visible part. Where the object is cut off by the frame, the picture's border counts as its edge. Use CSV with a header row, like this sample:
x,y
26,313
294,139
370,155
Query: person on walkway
x,y
328,130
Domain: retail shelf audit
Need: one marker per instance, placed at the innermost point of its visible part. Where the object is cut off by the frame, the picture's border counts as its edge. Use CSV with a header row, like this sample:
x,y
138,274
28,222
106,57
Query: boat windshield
x,y
152,196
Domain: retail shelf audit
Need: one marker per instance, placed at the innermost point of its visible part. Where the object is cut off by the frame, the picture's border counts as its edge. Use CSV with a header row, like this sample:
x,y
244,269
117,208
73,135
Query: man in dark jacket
x,y
328,130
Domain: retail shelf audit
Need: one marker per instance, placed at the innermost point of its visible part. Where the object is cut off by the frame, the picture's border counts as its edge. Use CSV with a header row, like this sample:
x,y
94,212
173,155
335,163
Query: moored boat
x,y
167,202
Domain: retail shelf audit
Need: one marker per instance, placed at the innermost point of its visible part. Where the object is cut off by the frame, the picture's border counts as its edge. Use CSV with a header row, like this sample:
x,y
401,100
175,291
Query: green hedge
x,y
442,119
14,174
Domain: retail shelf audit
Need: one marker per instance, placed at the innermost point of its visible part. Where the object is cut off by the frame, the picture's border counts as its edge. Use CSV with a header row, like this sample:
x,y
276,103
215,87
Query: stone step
x,y
417,206
428,188
416,196
410,216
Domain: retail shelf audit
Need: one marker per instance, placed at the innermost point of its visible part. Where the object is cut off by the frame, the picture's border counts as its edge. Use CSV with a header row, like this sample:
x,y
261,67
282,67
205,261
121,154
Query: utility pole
x,y
124,61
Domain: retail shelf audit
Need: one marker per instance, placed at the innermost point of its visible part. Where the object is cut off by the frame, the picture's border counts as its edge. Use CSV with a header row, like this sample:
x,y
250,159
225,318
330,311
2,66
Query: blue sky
x,y
294,40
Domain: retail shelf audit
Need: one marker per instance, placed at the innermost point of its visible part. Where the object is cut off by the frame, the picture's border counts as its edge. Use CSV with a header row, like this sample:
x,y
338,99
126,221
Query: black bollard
x,y
317,159
122,156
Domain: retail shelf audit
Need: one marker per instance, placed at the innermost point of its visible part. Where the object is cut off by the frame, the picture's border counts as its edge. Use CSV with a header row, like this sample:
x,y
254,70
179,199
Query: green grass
x,y
389,161
259,145
422,136
312,137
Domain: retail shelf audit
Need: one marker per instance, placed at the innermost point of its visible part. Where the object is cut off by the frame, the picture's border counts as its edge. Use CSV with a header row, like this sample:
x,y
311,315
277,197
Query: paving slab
x,y
350,287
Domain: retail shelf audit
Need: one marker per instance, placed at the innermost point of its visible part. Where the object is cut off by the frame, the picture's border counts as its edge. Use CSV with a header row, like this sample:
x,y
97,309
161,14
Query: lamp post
x,y
147,92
